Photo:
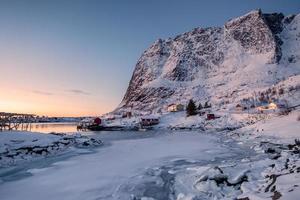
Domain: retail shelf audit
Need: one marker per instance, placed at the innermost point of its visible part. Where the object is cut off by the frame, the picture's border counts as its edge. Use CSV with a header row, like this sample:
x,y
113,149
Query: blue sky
x,y
71,57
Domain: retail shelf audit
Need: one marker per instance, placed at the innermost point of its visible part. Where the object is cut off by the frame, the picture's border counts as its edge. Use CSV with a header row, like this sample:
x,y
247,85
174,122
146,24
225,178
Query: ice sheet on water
x,y
139,164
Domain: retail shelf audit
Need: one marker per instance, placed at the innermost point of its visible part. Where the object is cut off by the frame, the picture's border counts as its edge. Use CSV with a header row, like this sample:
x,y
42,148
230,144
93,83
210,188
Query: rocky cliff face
x,y
249,52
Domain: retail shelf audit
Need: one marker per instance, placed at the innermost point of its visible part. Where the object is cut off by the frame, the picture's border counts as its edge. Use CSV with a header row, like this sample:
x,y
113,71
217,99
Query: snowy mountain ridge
x,y
250,52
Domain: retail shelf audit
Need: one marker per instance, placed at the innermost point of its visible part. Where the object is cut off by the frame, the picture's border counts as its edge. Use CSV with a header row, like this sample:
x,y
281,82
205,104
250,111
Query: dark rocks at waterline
x,y
31,151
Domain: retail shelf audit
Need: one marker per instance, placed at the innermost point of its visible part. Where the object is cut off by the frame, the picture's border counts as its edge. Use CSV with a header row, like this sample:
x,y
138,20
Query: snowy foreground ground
x,y
259,161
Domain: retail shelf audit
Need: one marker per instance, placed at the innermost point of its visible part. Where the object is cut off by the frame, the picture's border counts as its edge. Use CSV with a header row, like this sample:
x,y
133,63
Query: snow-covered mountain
x,y
219,64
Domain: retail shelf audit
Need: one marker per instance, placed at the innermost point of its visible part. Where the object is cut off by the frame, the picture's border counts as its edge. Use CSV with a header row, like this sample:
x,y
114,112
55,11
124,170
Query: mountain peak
x,y
208,63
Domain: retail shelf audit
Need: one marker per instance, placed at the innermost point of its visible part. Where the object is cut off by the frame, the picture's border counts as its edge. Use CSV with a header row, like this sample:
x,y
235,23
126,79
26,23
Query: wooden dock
x,y
15,121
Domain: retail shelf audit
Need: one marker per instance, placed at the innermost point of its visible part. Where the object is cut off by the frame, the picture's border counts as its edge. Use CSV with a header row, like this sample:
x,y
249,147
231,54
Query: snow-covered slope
x,y
247,54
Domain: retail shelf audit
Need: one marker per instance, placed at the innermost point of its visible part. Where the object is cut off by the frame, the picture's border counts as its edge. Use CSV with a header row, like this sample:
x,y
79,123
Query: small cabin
x,y
97,121
210,116
149,120
269,108
272,106
175,107
238,107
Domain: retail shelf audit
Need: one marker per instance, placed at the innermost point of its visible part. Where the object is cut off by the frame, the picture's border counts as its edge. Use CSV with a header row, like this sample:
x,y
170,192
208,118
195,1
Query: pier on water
x,y
15,121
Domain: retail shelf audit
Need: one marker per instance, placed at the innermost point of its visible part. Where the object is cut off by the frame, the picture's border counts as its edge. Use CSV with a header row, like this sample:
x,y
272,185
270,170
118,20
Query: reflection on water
x,y
54,127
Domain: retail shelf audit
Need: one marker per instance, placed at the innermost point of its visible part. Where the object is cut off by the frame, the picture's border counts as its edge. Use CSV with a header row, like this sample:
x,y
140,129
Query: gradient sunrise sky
x,y
76,57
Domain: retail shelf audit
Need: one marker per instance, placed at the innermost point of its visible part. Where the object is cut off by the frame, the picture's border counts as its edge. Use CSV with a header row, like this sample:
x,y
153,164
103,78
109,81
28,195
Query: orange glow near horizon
x,y
18,101
38,84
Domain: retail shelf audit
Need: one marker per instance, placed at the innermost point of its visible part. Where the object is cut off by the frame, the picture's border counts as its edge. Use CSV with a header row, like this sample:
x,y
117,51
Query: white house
x,y
175,107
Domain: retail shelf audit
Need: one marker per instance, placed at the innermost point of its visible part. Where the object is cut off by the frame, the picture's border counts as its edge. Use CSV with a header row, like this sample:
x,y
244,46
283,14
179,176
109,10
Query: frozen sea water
x,y
130,165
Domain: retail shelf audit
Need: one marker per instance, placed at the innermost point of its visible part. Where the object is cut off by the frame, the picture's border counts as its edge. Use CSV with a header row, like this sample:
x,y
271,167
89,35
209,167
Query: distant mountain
x,y
219,64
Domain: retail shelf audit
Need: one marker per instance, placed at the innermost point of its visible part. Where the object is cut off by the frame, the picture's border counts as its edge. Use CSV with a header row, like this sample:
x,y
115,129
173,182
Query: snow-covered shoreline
x,y
20,146
277,176
274,173
232,173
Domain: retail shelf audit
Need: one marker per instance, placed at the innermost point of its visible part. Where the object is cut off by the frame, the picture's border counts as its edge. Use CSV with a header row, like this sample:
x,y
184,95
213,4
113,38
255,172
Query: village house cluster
x,y
269,101
271,107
